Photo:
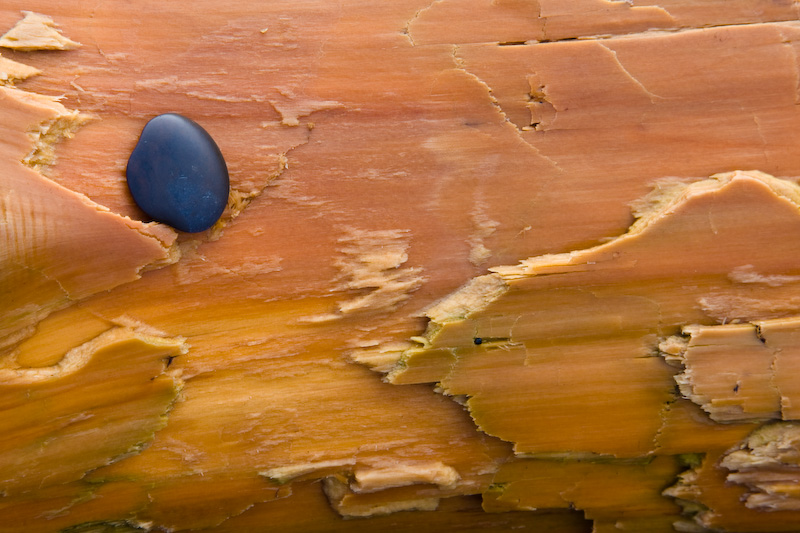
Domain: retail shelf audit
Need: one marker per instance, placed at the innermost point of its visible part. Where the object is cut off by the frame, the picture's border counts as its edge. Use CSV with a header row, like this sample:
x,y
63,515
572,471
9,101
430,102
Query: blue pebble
x,y
177,174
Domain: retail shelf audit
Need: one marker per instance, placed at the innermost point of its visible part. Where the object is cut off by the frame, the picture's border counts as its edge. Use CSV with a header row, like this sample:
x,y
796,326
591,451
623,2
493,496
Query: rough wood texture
x,y
611,185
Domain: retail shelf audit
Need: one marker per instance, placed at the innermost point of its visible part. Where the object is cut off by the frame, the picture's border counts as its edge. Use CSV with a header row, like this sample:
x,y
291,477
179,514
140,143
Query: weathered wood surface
x,y
309,363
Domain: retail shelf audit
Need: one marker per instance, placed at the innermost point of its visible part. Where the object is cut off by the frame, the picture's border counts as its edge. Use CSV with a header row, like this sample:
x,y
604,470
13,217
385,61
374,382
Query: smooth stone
x,y
177,175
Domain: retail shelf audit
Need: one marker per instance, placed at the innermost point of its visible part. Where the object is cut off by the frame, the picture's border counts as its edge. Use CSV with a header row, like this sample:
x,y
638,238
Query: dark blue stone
x,y
177,174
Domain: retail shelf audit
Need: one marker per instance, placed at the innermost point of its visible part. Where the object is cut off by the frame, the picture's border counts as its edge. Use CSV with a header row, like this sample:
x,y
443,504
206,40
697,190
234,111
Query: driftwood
x,y
485,265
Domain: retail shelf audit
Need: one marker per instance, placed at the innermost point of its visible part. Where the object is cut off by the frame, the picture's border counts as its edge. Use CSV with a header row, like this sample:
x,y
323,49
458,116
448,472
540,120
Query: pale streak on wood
x,y
293,107
483,228
285,474
370,265
351,506
14,71
373,490
36,32
379,356
404,474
